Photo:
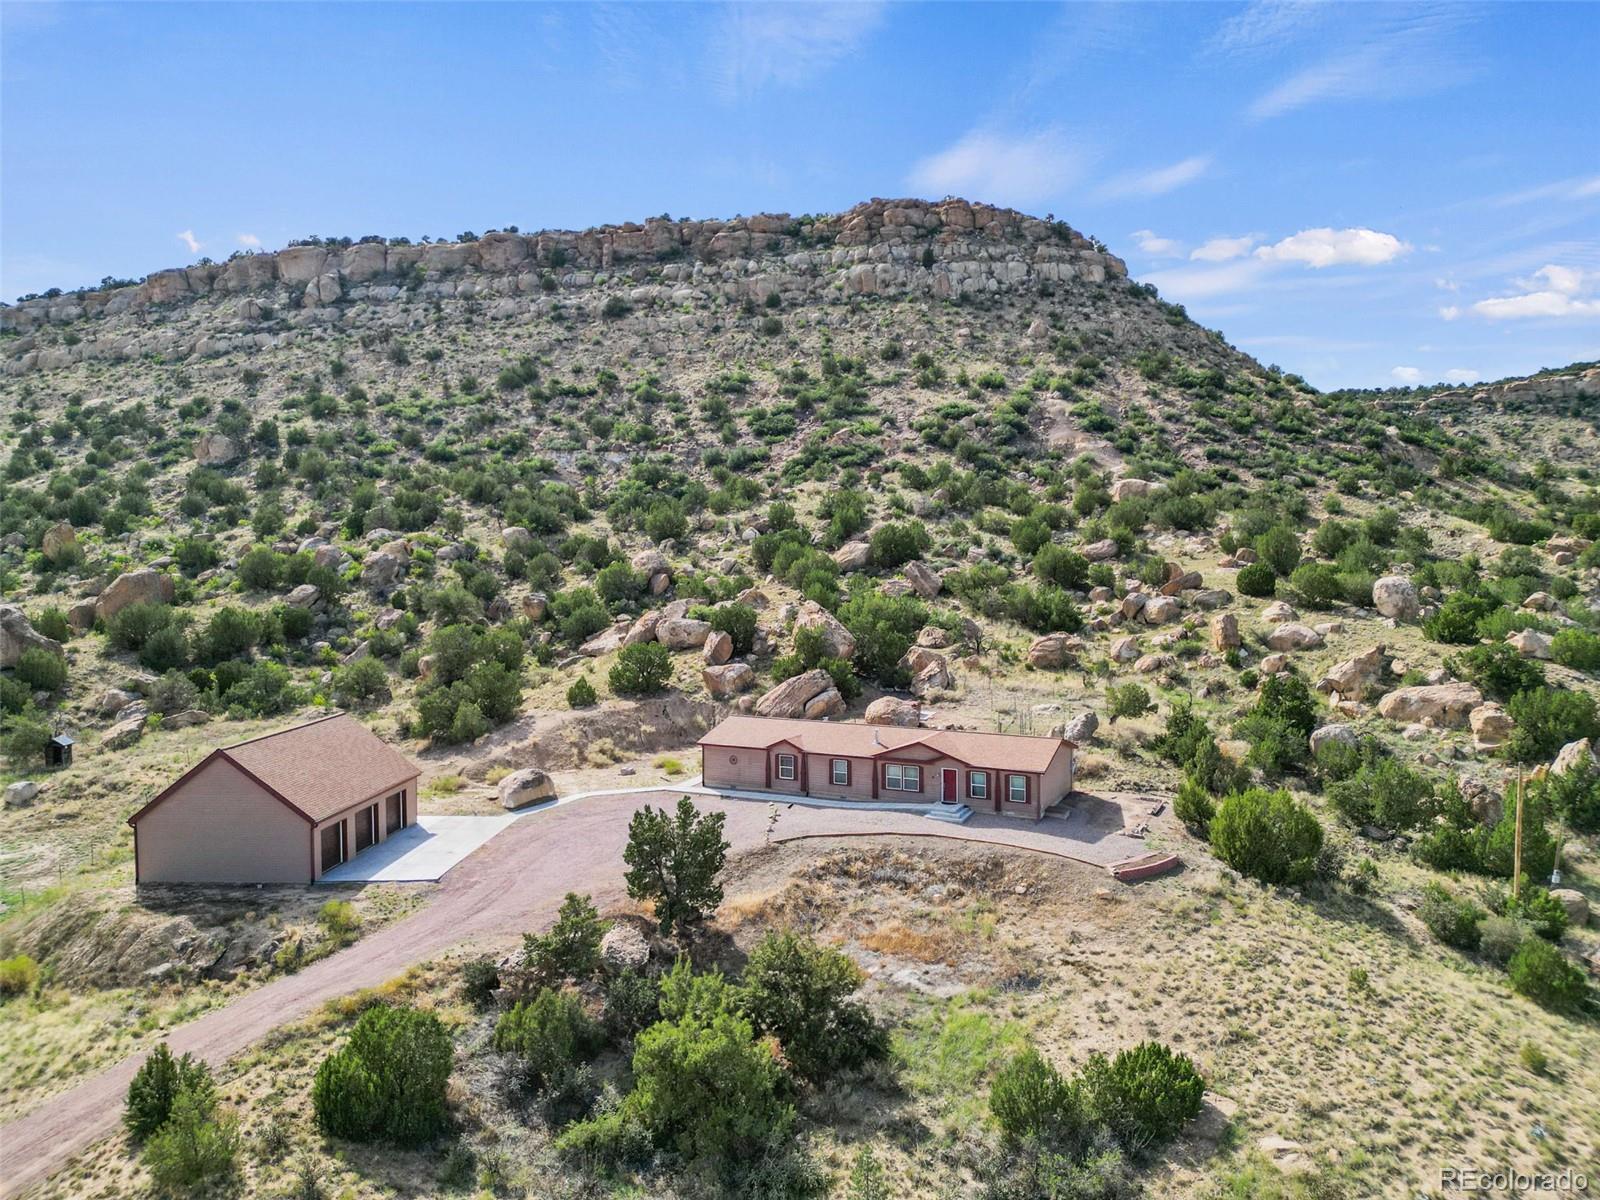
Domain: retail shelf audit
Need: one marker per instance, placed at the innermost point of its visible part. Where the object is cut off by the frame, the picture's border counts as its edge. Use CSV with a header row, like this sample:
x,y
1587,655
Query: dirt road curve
x,y
514,883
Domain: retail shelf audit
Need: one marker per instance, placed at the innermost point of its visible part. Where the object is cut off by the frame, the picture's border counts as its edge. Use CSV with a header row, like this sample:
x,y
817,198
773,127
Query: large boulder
x,y
382,570
59,541
605,641
682,633
1124,489
1053,650
829,703
1446,704
1575,903
853,556
789,698
728,680
1225,632
1491,726
1159,609
515,537
643,628
143,586
891,710
624,948
1081,728
525,787
650,563
1396,596
1575,756
1326,735
837,641
718,648
1124,650
1101,551
215,450
125,732
18,634
1530,643
1278,612
922,579
1291,635
21,793
1355,678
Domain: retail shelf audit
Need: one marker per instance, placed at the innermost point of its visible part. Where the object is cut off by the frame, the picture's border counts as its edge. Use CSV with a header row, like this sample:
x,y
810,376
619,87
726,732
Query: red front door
x,y
949,796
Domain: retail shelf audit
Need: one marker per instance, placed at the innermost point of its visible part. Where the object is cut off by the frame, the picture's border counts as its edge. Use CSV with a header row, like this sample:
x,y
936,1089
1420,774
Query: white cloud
x,y
1336,247
1583,187
1450,312
787,44
1536,304
249,239
1153,243
1159,180
1385,52
1407,374
1022,169
1552,291
188,239
1187,284
1221,249
1463,375
1267,25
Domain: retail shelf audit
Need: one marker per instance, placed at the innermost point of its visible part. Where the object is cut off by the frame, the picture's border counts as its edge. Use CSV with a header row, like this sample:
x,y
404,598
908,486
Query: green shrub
x,y
738,621
1193,806
1543,974
1575,796
1541,911
1127,700
361,681
1256,579
884,628
1030,1099
1385,793
1317,584
131,628
41,670
53,623
633,1003
1279,549
608,1142
1454,922
799,992
642,669
480,979
155,1086
195,1148
1499,938
549,1034
673,860
571,949
1575,648
24,736
1547,719
1145,1095
1267,836
19,975
895,543
388,1082
582,694
1498,670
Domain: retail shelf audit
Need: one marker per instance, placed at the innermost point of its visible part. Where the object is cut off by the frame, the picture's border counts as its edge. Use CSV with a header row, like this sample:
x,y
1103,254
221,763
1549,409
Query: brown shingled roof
x,y
851,740
319,769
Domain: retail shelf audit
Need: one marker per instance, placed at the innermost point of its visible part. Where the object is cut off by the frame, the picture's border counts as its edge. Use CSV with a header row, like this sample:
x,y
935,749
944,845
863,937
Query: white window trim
x,y
834,772
1012,779
902,771
793,766
977,785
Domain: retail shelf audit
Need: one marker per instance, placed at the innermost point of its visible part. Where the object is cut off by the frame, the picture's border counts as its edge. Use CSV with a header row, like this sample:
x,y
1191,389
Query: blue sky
x,y
1368,194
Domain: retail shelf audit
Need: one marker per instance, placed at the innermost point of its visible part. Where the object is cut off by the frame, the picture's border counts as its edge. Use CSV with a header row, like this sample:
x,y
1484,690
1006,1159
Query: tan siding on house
x,y
720,769
221,826
1057,779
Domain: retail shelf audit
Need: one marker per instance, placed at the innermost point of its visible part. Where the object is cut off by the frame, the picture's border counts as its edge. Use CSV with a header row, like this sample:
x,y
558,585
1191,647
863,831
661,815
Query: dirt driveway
x,y
514,883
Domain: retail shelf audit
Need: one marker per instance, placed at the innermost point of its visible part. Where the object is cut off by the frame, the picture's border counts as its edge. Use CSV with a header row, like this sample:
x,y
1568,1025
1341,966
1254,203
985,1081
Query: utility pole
x,y
1516,851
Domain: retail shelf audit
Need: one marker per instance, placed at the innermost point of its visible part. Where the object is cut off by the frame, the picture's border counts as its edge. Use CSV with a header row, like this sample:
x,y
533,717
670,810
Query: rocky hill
x,y
560,500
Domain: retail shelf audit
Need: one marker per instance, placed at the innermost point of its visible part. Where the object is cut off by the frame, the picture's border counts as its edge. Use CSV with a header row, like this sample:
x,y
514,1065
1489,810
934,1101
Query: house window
x,y
1017,789
841,772
977,785
898,778
785,766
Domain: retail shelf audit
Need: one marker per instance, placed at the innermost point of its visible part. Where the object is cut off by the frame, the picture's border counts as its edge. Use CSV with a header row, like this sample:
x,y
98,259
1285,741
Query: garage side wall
x,y
220,826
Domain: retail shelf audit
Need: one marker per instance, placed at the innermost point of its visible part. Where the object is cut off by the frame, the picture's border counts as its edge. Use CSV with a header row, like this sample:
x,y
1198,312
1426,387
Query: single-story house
x,y
282,808
992,772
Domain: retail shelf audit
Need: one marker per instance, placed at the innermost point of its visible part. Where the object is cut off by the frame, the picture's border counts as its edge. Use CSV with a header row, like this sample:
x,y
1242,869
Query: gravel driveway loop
x,y
514,883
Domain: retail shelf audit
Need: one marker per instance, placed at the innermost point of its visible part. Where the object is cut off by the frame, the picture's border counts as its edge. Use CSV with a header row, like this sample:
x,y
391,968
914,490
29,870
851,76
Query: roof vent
x,y
876,739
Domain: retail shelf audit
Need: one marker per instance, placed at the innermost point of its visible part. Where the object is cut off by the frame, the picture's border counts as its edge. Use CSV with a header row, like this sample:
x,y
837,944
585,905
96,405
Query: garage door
x,y
332,846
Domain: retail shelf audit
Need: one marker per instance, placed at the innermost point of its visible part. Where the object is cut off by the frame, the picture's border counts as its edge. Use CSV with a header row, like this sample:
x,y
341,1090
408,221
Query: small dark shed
x,y
59,752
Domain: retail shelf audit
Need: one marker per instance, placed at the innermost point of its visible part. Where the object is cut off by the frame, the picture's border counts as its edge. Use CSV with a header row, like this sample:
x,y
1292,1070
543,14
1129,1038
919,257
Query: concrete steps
x,y
950,814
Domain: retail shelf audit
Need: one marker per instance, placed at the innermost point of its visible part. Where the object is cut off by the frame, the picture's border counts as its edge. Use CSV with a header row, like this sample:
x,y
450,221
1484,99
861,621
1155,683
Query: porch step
x,y
950,814
1145,866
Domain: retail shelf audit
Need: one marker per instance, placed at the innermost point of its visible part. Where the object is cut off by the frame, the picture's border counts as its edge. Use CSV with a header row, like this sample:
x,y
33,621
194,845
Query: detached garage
x,y
282,808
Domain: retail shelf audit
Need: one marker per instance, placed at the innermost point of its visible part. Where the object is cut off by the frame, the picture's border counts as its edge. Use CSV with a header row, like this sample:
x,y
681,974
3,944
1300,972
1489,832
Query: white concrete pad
x,y
420,853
